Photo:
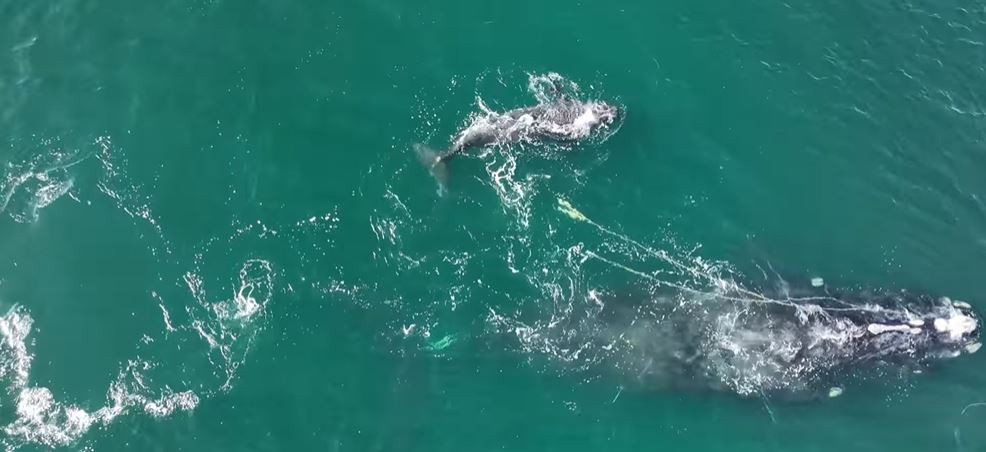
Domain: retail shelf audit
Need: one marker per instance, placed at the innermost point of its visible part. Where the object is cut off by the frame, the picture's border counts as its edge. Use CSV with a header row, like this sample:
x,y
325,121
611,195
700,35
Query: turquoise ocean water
x,y
215,234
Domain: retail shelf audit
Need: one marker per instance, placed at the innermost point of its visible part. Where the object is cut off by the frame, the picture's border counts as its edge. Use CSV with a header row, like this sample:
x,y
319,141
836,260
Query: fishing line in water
x,y
972,405
766,404
567,208
711,330
725,286
957,433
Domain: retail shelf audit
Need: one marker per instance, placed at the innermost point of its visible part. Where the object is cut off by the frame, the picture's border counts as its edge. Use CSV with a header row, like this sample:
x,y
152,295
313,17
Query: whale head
x,y
943,328
604,113
777,348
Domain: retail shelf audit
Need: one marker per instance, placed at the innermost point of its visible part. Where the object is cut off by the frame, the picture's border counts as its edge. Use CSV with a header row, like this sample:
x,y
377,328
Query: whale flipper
x,y
434,161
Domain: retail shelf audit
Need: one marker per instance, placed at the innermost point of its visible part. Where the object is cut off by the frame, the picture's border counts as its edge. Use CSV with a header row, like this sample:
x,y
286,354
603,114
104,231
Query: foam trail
x,y
39,416
42,419
228,327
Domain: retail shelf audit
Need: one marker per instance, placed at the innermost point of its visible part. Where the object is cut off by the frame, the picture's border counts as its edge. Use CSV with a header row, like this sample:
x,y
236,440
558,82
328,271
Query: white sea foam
x,y
41,416
27,187
43,419
230,326
574,119
15,361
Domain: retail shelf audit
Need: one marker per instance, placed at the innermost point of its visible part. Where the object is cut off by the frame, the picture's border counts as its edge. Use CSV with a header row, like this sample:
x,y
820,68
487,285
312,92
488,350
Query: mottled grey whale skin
x,y
798,346
564,120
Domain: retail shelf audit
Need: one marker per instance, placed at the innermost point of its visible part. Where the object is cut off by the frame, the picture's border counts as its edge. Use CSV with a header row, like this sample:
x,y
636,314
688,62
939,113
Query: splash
x,y
515,195
230,326
550,86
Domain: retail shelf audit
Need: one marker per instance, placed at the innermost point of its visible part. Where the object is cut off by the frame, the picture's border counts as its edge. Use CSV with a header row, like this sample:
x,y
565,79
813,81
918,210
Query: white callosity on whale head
x,y
956,326
961,304
877,328
583,124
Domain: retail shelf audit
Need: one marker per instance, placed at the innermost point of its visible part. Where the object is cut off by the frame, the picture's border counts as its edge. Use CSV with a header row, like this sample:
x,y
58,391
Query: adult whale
x,y
563,119
800,342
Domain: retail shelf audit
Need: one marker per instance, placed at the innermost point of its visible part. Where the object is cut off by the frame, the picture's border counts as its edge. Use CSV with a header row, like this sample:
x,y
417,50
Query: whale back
x,y
796,345
562,120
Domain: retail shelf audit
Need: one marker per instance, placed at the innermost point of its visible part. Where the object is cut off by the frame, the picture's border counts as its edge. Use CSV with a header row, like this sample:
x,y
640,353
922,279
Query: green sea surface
x,y
215,234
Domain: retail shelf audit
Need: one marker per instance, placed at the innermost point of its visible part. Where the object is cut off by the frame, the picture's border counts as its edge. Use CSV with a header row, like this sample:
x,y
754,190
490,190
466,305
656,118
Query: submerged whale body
x,y
791,346
563,119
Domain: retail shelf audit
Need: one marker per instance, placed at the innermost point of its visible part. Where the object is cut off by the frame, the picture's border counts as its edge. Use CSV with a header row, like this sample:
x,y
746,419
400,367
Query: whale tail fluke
x,y
432,160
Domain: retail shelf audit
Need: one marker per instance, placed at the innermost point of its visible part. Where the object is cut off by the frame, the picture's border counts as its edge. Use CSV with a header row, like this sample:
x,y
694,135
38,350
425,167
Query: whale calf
x,y
562,119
